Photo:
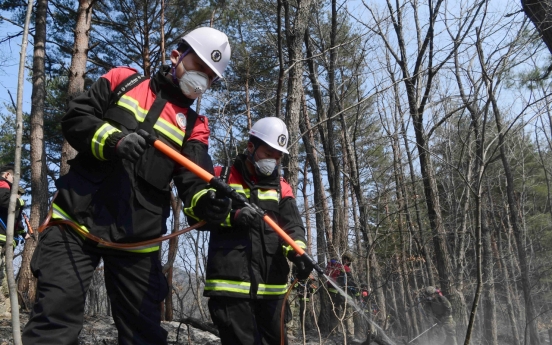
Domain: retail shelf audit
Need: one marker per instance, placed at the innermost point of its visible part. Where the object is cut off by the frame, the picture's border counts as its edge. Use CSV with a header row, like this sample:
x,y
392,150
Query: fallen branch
x,y
204,326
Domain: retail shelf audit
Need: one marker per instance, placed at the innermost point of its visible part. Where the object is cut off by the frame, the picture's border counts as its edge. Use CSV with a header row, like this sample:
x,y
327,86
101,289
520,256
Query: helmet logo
x,y
181,121
282,140
216,55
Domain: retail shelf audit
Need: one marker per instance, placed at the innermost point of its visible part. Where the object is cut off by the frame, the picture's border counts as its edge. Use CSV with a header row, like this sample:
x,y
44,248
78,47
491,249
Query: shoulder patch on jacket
x,y
4,185
201,130
116,75
286,189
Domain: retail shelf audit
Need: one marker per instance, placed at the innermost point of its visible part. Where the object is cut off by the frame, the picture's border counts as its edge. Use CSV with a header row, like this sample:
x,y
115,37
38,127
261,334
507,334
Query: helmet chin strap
x,y
173,67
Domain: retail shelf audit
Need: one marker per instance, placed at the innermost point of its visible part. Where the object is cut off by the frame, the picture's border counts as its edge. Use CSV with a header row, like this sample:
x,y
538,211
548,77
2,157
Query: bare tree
x,y
39,181
77,70
14,301
295,25
419,69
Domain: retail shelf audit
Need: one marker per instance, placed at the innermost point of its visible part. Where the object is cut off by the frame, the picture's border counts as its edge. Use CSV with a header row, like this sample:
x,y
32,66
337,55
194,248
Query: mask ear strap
x,y
254,151
173,68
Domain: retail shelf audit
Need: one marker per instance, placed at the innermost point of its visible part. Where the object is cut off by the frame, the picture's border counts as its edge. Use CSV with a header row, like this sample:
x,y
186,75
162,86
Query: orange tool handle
x,y
223,187
28,224
185,162
283,235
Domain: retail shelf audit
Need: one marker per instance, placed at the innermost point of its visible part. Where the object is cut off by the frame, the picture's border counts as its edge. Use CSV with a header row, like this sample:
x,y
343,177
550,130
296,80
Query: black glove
x,y
131,147
245,216
303,265
212,209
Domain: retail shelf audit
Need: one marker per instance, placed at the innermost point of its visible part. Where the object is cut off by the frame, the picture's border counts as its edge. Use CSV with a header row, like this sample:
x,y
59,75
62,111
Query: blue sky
x,y
9,66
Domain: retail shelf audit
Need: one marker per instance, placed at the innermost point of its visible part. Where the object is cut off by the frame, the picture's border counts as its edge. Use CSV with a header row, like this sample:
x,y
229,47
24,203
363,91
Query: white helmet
x,y
211,46
272,131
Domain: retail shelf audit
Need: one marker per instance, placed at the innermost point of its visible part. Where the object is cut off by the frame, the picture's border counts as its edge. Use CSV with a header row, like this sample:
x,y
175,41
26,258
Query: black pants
x,y
64,267
247,322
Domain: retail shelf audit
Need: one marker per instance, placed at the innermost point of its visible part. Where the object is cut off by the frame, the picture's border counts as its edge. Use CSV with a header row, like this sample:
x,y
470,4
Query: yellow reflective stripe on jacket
x,y
289,248
239,188
270,194
170,131
189,211
265,289
21,202
332,290
163,126
227,285
3,239
58,213
98,140
133,106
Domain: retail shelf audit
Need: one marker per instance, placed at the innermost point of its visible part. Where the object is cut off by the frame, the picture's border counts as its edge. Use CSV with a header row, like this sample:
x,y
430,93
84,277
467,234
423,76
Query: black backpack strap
x,y
126,85
156,108
153,114
191,118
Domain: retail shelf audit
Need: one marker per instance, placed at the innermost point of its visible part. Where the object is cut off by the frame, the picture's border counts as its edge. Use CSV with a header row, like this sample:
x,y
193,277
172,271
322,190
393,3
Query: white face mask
x,y
265,166
193,83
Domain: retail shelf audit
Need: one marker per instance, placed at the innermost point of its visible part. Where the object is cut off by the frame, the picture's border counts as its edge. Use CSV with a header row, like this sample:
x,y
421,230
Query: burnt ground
x,y
101,330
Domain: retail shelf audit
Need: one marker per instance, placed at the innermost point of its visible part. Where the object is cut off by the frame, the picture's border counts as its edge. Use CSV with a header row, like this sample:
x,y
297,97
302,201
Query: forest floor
x,y
101,330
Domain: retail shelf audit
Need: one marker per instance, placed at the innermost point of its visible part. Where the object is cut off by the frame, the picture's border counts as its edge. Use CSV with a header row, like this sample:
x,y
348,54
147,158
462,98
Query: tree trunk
x,y
14,303
323,222
77,69
39,181
321,209
146,58
499,255
402,277
402,206
530,315
413,178
162,32
418,84
373,264
339,222
176,205
540,13
489,303
304,191
168,306
294,39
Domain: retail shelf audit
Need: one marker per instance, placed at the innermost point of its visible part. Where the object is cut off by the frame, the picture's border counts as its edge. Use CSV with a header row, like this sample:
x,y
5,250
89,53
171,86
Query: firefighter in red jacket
x,y
118,189
341,273
6,181
247,271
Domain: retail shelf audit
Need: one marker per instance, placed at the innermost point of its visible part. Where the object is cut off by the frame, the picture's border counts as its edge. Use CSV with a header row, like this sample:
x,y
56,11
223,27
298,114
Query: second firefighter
x,y
247,271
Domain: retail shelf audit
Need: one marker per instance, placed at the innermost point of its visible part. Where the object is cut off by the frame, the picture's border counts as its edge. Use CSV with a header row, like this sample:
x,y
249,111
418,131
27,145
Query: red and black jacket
x,y
115,199
250,262
5,191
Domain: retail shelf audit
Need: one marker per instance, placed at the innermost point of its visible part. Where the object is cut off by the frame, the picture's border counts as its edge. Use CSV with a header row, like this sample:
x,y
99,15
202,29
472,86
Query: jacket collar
x,y
8,182
162,83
